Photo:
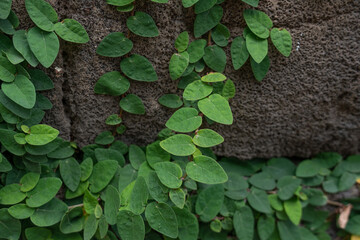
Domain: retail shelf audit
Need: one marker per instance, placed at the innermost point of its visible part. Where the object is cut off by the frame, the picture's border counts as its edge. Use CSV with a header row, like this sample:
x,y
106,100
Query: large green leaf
x,y
265,227
213,77
258,22
177,196
8,142
40,80
281,39
44,45
42,14
307,168
217,109
21,211
29,181
72,31
132,104
209,202
258,200
263,180
184,120
205,21
10,228
207,138
11,194
70,173
288,231
13,107
102,174
188,224
178,64
142,24
72,221
179,145
169,174
21,91
293,209
22,46
220,35
112,204
155,154
136,156
257,47
206,170
135,196
196,50
138,68
244,223
197,90
41,134
114,45
162,218
130,226
7,70
215,58
44,191
5,8
49,214
157,190
287,186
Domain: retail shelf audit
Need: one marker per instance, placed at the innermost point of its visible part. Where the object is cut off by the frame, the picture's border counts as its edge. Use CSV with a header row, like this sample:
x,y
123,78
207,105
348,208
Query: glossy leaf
x,y
72,31
114,45
197,90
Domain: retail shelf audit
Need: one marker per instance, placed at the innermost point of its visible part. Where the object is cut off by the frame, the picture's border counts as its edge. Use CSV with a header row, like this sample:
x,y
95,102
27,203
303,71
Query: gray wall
x,y
309,102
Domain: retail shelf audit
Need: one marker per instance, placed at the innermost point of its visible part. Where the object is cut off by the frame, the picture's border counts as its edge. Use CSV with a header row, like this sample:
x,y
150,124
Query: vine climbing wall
x,y
308,103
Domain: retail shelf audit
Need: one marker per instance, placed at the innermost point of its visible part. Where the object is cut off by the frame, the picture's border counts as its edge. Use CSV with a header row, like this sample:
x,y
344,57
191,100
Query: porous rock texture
x,y
308,103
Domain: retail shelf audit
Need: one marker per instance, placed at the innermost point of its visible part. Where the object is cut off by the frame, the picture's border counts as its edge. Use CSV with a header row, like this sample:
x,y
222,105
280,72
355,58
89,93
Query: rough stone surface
x,y
308,103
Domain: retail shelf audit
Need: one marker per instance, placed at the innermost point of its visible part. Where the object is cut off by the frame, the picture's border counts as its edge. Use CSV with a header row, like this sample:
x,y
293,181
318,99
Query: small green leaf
x,y
72,221
21,91
7,70
259,201
204,5
138,68
196,50
13,107
132,104
21,211
11,194
207,20
136,156
170,101
114,45
253,3
169,174
258,22
281,39
72,31
213,77
179,145
44,191
86,168
204,169
41,134
279,167
188,224
142,24
244,223
197,90
44,45
209,202
9,143
182,41
216,108
215,58
220,35
263,180
207,138
35,233
42,14
70,173
22,46
112,204
188,3
40,80
162,218
178,64
307,168
184,120
5,8
260,69
287,186
29,181
102,174
157,190
104,138
49,214
155,154
228,90
265,227
177,196
288,231
10,228
293,209
239,52
119,2
257,47
113,120
130,226
90,227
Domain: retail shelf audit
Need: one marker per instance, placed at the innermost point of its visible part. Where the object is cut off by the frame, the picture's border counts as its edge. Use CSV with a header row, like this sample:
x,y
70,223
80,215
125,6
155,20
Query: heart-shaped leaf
x,y
138,68
184,120
178,64
112,83
41,134
216,108
258,22
132,104
205,21
162,218
169,174
22,46
114,45
72,31
239,52
44,191
207,138
257,47
142,24
42,14
21,91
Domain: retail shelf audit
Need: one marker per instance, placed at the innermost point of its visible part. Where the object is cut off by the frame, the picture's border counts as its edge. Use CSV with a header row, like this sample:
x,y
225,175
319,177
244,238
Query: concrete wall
x,y
308,103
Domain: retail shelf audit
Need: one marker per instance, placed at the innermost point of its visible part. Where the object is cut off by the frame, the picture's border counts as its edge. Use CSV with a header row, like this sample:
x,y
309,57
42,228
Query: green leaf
x,y
209,202
182,41
112,204
35,233
353,225
260,69
307,168
352,164
29,181
279,167
72,31
169,174
281,39
40,80
217,109
49,214
136,156
259,201
205,21
170,101
135,196
179,145
188,3
220,35
196,50
204,5
7,70
142,24
178,64
293,209
257,47
21,91
119,2
113,120
132,104
138,68
90,227
44,45
10,228
253,3
45,190
114,45
287,186
102,174
162,218
155,154
265,227
184,120
177,196
21,211
70,173
197,90
42,14
13,107
157,190
130,226
72,221
215,58
188,224
228,90
90,202
8,142
86,168
288,231
8,49
11,194
213,77
104,138
207,138
258,22
22,46
204,169
41,134
78,192
244,223
306,234
263,180
346,181
5,8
